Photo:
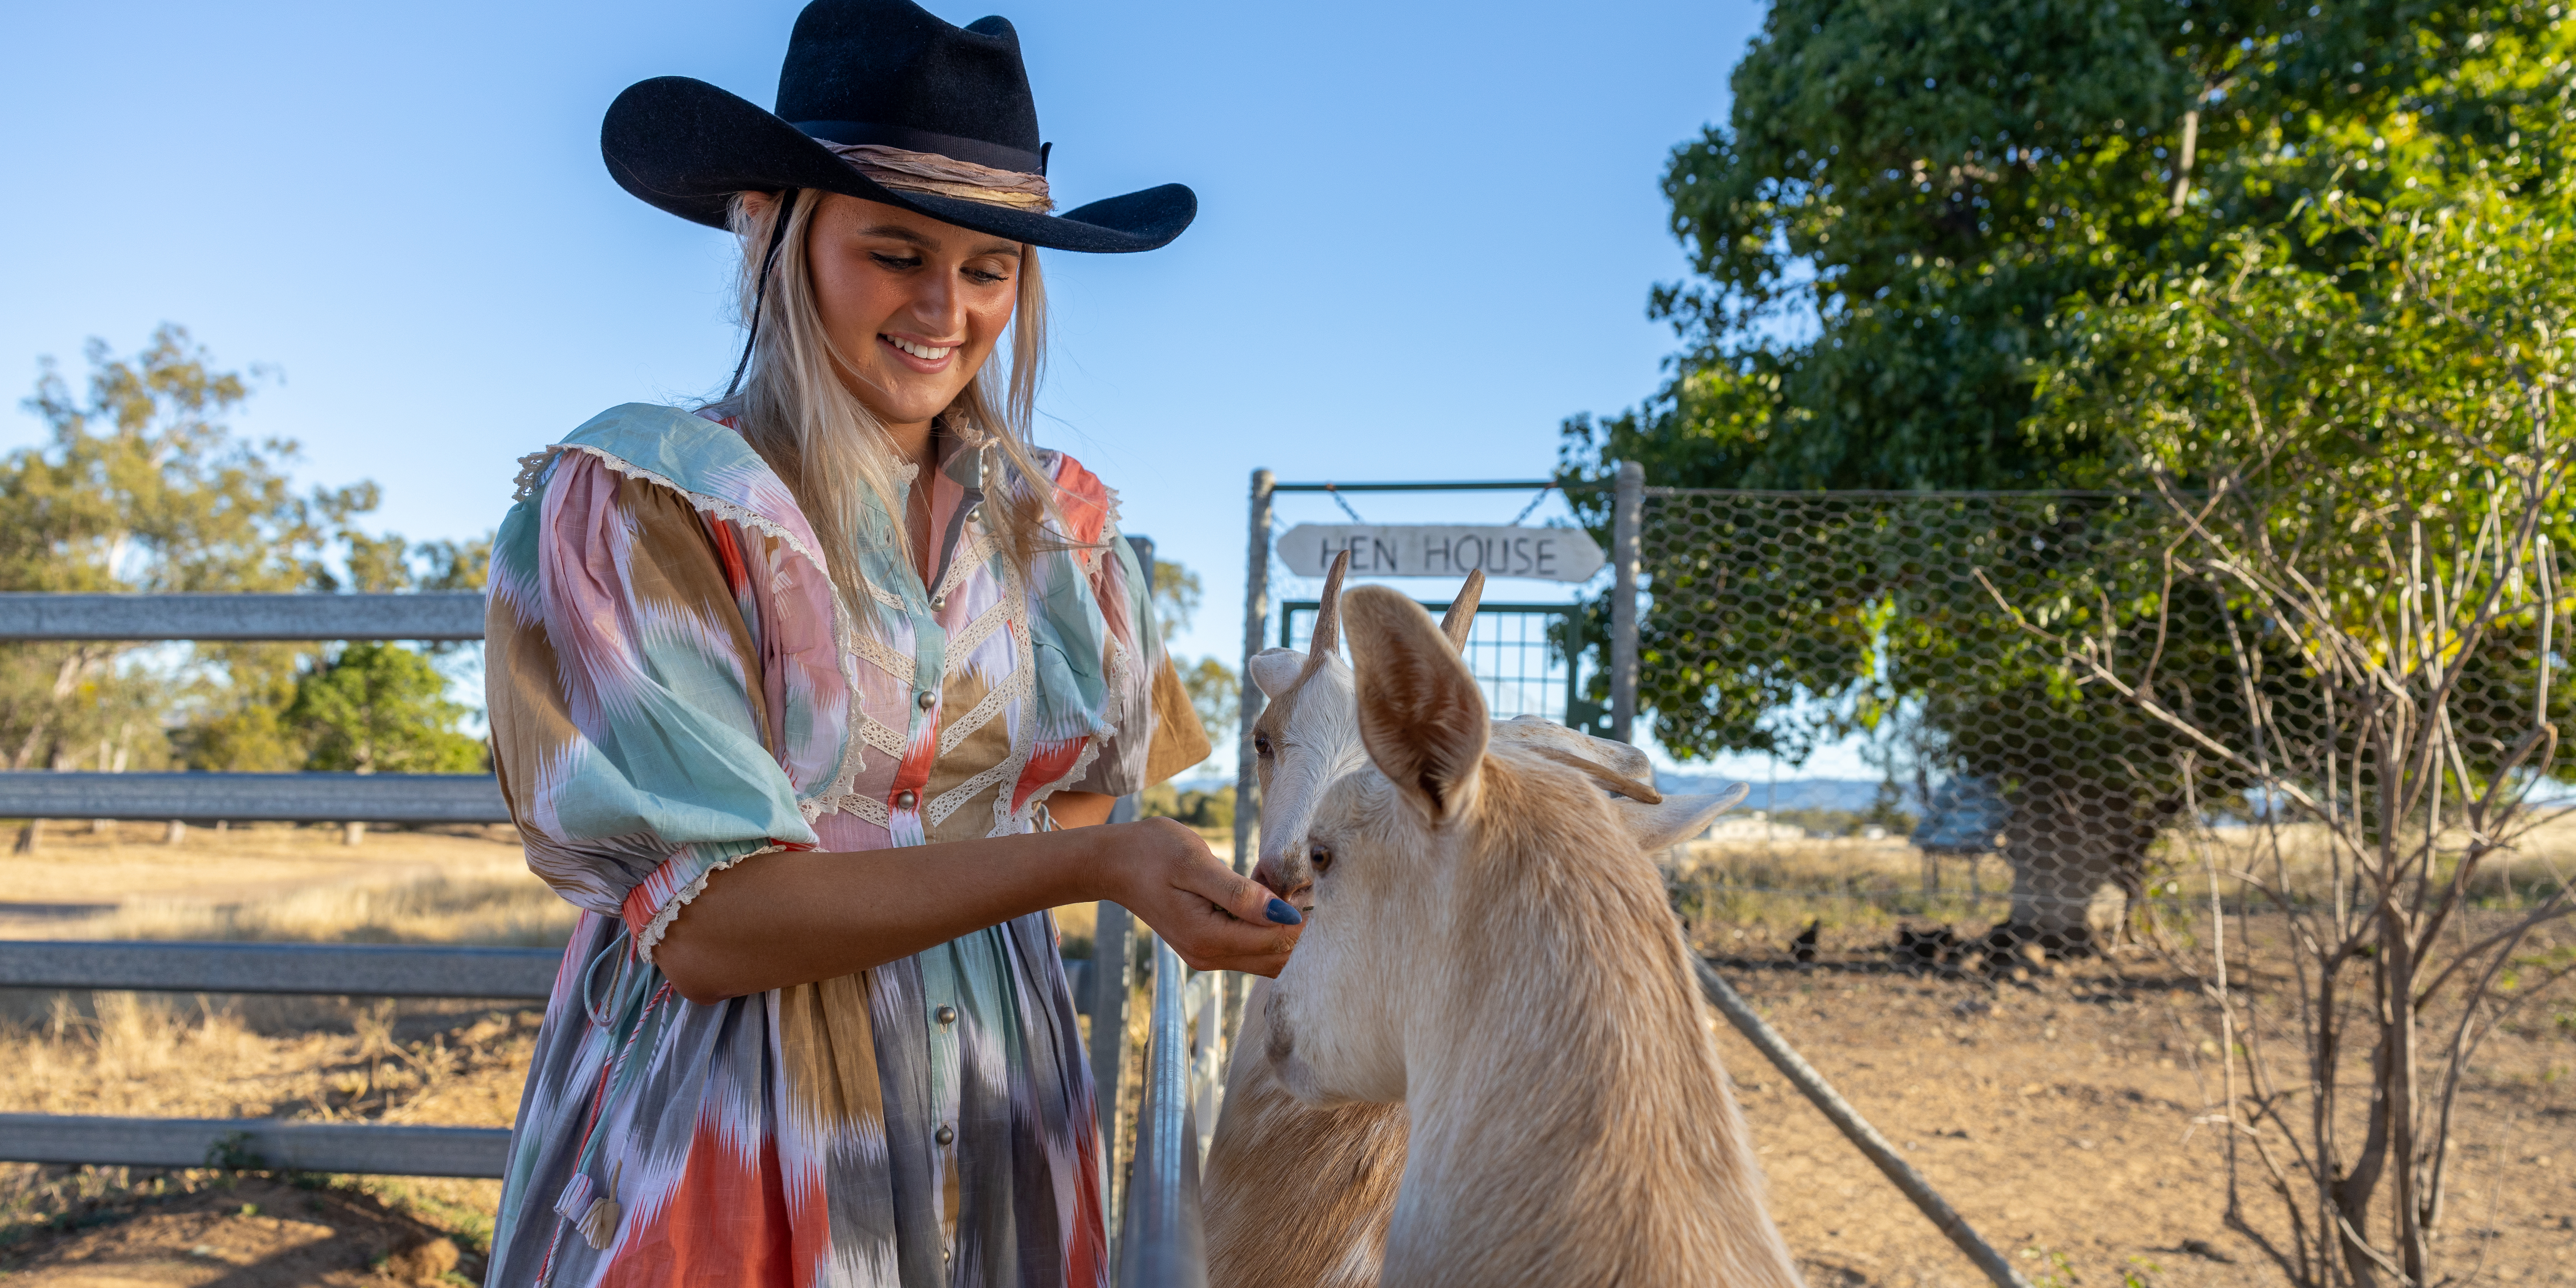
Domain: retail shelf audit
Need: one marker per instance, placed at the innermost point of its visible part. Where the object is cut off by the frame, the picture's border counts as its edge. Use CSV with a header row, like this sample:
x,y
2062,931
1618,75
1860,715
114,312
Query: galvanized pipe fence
x,y
1165,1186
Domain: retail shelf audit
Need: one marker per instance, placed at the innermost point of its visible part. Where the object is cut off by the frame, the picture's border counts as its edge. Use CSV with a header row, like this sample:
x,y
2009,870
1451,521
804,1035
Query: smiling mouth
x,y
925,352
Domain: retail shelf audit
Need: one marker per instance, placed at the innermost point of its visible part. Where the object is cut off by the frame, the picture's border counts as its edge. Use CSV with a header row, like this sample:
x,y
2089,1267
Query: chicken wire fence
x,y
2172,795
2024,809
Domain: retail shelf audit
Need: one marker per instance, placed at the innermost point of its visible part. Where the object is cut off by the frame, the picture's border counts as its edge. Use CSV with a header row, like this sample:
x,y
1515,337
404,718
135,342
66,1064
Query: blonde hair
x,y
832,452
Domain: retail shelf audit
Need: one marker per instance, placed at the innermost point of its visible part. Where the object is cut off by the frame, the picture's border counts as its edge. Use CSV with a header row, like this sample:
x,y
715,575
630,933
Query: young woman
x,y
816,698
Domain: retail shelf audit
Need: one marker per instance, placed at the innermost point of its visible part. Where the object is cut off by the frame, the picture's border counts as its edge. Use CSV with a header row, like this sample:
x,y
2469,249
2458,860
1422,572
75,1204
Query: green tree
x,y
1906,191
140,487
1217,694
1889,239
381,708
1177,593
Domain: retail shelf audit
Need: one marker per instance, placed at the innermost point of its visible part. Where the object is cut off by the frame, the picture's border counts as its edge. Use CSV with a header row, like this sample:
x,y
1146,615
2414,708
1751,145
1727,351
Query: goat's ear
x,y
1421,715
1659,826
1275,671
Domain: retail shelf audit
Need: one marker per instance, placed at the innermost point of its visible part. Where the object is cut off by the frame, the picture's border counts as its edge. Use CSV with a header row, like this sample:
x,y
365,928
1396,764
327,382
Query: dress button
x,y
939,603
945,1135
905,800
927,699
947,1014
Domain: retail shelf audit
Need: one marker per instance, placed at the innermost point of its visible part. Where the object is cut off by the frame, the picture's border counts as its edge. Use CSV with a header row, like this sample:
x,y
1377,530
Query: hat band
x,y
933,175
1000,156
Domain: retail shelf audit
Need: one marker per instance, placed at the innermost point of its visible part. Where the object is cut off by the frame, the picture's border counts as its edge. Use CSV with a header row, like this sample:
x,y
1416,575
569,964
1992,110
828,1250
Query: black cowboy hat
x,y
869,71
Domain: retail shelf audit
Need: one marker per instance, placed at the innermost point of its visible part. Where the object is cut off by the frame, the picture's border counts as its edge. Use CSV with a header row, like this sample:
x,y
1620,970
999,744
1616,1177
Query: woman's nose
x,y
939,309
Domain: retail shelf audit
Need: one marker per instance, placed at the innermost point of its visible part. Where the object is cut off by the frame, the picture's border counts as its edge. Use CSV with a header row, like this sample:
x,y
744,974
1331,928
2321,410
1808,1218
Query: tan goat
x,y
1491,946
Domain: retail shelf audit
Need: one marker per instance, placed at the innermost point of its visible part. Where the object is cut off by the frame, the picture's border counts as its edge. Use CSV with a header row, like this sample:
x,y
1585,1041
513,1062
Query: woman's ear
x,y
1421,716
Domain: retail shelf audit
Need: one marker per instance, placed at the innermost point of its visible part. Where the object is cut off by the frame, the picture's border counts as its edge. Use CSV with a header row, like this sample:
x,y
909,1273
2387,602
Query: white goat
x,y
1298,1197
1568,1119
1301,1197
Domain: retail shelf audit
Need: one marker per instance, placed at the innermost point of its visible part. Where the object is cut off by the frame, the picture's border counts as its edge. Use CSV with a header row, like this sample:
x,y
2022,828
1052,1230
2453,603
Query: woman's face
x,y
913,305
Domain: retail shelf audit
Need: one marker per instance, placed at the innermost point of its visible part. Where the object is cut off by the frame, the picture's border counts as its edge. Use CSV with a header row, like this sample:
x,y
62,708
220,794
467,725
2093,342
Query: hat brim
x,y
687,147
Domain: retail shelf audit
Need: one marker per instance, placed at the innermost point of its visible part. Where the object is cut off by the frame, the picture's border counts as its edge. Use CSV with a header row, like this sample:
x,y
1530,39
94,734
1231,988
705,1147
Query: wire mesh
x,y
1517,653
2055,925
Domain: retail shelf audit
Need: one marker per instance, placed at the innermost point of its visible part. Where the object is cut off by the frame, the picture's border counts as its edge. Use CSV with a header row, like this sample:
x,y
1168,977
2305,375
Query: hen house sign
x,y
1439,550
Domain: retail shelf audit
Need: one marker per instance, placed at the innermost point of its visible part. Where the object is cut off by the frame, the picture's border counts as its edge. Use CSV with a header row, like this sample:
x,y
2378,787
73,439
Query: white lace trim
x,y
887,660
965,642
650,938
715,505
1013,687
882,736
955,798
964,565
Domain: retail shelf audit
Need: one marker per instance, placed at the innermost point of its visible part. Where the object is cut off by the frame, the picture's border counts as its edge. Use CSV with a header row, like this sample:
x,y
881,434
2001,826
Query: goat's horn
x,y
1461,616
1602,774
1328,619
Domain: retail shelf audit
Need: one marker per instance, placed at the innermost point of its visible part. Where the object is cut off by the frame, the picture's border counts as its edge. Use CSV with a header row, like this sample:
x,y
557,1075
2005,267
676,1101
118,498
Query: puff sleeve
x,y
661,697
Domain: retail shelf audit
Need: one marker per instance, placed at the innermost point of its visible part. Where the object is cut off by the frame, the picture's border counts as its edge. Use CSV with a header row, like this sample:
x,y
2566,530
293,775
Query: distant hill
x,y
1853,794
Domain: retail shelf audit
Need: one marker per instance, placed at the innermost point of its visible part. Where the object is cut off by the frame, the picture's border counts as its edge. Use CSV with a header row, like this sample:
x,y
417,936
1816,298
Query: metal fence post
x,y
1109,982
1162,1243
1256,611
1627,517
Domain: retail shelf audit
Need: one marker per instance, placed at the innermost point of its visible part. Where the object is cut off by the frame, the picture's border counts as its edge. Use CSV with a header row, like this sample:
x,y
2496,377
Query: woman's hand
x,y
1162,872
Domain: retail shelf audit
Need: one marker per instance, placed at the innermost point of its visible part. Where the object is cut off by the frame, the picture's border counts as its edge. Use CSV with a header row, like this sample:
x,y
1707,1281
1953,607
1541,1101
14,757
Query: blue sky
x,y
1426,232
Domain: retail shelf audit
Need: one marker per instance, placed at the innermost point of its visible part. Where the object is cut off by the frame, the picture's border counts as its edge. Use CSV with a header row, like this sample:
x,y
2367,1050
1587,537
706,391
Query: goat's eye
x,y
1321,858
1260,744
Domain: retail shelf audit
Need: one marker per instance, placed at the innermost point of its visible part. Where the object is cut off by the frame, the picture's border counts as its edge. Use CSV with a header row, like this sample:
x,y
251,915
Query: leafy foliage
x,y
1896,237
1907,191
381,708
1177,593
1217,694
141,487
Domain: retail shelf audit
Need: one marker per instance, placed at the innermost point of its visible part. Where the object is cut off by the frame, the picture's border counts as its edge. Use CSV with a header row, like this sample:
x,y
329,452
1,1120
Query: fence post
x,y
1627,516
1256,611
1109,983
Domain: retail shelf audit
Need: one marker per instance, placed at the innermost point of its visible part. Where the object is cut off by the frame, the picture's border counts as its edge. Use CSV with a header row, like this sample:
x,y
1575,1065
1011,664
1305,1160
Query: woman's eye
x,y
984,277
895,261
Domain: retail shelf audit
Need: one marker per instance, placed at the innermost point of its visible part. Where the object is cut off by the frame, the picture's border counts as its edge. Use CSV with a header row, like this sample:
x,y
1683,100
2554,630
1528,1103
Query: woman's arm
x,y
796,917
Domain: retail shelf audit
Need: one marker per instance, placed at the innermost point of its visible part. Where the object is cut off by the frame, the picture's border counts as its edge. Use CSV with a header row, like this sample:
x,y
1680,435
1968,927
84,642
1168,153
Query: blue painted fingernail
x,y
1283,914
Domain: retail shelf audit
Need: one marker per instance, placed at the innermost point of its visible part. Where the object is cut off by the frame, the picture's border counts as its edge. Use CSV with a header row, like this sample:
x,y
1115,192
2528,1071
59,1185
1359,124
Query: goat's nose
x,y
1267,873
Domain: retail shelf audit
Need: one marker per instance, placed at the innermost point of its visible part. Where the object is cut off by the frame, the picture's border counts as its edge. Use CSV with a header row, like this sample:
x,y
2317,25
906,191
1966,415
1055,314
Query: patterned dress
x,y
674,687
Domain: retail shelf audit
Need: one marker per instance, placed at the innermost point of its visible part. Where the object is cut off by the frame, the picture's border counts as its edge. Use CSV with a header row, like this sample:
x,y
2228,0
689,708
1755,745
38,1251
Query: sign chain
x,y
1526,510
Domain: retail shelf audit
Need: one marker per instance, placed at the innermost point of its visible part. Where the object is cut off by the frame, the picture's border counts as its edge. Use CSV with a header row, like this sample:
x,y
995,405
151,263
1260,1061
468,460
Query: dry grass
x,y
280,882
1743,898
216,1057
1749,897
159,1055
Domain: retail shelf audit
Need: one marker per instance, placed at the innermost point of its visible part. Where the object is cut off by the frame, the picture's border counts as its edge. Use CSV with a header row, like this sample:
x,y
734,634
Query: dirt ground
x,y
244,1232
2058,1117
2056,1113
